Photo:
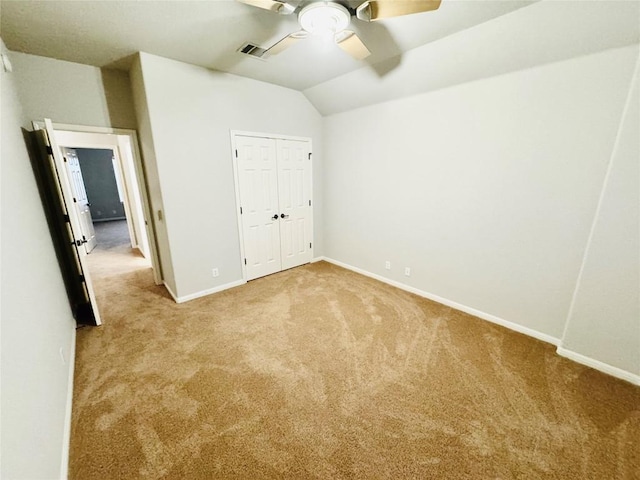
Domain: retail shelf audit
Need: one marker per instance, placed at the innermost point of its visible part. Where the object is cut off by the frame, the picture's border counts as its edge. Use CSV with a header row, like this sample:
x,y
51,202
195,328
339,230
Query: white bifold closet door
x,y
274,181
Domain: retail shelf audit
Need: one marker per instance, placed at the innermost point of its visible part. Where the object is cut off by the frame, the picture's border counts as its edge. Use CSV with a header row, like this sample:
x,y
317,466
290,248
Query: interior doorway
x,y
116,231
109,172
102,195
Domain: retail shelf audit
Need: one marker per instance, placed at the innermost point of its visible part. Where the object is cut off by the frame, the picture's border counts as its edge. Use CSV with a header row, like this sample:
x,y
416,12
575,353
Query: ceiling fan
x,y
330,19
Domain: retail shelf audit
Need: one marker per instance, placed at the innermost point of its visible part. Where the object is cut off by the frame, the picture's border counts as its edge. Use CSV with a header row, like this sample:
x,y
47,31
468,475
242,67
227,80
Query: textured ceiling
x,y
208,33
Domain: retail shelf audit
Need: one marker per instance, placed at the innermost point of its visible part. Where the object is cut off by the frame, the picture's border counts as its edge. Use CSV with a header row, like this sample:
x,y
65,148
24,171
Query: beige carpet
x,y
318,372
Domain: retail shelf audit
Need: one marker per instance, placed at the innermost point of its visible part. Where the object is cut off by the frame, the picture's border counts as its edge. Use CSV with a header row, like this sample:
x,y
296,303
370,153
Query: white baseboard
x,y
98,220
598,365
576,357
450,303
66,438
203,293
173,295
317,259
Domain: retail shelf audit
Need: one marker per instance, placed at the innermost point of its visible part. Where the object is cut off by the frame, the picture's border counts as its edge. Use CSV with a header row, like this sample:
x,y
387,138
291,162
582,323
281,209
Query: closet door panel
x,y
258,185
294,194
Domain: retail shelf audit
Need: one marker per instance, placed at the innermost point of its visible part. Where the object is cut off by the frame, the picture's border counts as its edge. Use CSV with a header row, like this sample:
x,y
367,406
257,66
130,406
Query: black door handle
x,y
282,215
275,217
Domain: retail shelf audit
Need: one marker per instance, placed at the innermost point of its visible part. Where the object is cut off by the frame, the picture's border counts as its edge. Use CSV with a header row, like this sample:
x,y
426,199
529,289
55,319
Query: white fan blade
x,y
286,42
348,41
283,8
376,9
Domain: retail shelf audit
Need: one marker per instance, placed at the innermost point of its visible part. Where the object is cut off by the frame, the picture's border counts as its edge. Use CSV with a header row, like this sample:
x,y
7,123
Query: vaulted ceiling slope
x,y
545,32
209,33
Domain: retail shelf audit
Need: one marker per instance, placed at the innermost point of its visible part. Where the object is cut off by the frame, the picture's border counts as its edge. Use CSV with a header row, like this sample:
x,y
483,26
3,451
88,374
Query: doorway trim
x,y
141,178
236,179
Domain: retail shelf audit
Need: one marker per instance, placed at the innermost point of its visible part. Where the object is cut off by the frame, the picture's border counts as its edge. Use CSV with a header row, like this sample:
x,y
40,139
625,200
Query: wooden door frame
x,y
236,178
141,178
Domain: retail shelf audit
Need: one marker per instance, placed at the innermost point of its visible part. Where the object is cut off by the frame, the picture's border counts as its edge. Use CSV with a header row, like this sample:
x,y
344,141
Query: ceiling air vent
x,y
253,51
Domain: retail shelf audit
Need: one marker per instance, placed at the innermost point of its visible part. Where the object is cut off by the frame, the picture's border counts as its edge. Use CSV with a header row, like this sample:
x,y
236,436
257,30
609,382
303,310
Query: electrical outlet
x,y
407,271
387,265
215,272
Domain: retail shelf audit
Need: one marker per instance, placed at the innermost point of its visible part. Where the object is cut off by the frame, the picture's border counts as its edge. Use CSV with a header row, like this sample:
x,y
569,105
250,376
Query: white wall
x,y
191,112
147,147
73,93
487,190
36,320
605,318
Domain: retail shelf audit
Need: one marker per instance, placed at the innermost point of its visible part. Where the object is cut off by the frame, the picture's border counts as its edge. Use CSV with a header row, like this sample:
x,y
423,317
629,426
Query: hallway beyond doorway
x,y
112,234
113,254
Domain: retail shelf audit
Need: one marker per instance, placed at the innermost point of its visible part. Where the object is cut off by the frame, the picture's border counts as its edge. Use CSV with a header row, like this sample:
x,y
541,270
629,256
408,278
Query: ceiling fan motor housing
x,y
324,17
329,20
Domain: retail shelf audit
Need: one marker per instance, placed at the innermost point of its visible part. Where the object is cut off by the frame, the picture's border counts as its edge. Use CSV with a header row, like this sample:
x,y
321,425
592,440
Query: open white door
x,y
80,200
74,220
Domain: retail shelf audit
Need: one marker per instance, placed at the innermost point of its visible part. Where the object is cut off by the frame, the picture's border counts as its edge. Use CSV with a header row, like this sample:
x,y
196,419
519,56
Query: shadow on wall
x,y
117,90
